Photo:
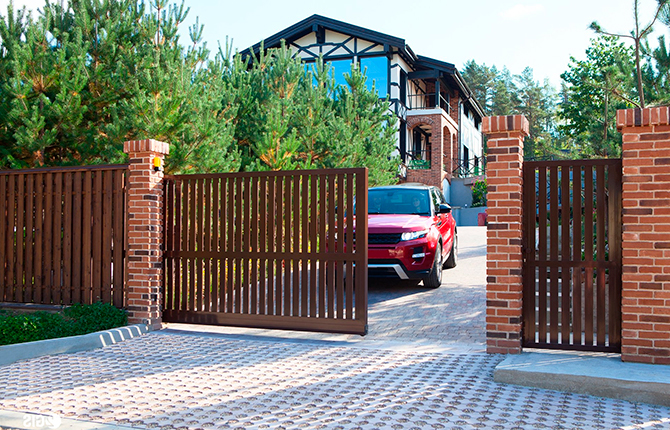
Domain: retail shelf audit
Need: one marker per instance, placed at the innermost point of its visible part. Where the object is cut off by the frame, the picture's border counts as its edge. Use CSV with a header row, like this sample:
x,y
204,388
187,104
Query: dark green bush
x,y
479,194
74,320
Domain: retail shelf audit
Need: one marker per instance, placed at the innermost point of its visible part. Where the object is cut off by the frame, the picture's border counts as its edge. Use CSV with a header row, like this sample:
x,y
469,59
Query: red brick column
x,y
646,234
504,260
145,220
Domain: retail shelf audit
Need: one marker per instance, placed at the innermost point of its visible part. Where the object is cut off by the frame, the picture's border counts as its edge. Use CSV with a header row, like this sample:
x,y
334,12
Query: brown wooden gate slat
x,y
63,235
278,248
572,222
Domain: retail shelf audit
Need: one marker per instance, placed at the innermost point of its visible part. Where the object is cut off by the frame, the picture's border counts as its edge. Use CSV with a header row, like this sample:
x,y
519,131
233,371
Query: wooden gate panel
x,y
267,249
572,255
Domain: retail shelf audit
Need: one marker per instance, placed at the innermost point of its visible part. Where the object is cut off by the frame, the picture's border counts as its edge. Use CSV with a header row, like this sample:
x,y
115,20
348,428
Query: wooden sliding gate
x,y
62,235
267,249
572,255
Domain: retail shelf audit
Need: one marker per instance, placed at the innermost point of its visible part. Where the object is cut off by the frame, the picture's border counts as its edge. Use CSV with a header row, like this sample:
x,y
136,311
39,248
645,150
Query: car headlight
x,y
411,235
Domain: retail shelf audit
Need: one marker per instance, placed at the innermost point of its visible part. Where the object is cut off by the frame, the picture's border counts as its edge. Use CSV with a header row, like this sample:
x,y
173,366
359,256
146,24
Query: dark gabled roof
x,y
311,24
316,22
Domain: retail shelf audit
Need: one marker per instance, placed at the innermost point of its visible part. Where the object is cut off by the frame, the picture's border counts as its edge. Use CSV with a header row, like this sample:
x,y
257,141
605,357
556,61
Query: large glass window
x,y
338,69
377,72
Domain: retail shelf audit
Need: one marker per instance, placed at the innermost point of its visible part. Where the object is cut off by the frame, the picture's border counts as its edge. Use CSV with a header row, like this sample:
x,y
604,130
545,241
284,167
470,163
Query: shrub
x,y
74,320
479,194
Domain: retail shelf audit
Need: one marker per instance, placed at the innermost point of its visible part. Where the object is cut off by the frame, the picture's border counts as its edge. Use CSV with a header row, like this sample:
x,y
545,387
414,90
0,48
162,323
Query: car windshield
x,y
398,201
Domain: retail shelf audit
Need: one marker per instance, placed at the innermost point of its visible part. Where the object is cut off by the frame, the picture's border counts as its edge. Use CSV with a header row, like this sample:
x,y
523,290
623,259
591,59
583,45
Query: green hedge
x,y
74,320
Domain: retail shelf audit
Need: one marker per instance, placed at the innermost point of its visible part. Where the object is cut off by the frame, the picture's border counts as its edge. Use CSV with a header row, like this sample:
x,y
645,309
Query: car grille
x,y
383,238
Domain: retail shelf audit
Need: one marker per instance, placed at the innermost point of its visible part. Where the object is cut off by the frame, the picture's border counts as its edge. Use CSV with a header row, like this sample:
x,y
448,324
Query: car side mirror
x,y
444,209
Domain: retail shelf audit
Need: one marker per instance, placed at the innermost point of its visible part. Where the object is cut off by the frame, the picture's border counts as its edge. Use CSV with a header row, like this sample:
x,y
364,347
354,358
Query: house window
x,y
376,70
338,69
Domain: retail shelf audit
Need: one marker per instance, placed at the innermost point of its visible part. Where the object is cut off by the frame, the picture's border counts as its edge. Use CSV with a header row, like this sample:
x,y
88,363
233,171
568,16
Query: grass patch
x,y
72,321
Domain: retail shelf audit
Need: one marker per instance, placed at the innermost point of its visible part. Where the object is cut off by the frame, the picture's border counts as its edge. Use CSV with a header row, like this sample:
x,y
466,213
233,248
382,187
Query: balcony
x,y
419,160
428,101
470,168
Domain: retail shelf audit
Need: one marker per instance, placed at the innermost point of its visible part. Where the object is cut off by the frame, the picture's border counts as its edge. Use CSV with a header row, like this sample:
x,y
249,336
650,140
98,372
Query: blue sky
x,y
540,34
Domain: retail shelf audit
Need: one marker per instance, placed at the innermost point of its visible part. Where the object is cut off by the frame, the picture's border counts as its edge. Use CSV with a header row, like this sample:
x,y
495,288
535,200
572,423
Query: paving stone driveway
x,y
173,380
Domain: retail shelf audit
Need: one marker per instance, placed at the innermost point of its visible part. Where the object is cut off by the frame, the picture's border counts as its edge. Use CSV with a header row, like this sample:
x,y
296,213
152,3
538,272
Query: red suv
x,y
411,233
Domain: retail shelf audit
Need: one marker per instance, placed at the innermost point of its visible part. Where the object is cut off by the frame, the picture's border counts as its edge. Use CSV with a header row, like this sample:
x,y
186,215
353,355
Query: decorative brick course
x,y
144,229
646,234
503,254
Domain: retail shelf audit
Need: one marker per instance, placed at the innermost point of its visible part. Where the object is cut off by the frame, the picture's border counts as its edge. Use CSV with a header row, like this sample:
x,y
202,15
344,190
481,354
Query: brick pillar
x,y
145,220
504,260
646,234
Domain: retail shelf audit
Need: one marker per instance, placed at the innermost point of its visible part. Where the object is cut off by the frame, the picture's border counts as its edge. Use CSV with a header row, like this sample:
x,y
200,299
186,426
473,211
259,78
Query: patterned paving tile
x,y
169,381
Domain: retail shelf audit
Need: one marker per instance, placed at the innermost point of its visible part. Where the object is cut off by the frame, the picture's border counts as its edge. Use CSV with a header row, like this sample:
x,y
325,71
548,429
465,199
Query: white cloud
x,y
520,11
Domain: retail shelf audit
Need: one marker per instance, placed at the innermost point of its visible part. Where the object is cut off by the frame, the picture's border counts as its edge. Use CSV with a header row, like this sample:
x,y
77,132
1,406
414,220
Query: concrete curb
x,y
602,375
23,351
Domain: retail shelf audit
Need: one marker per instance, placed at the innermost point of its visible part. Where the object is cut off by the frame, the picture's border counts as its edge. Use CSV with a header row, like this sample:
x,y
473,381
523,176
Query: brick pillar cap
x,y
506,123
146,145
642,117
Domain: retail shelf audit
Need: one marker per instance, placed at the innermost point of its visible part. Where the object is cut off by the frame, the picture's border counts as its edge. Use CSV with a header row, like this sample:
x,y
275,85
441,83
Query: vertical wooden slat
x,y
577,240
271,221
349,274
361,290
255,214
199,239
107,226
57,239
553,248
305,232
4,264
68,179
543,245
98,202
183,262
286,245
237,287
279,245
264,215
208,244
246,239
312,245
10,252
118,238
614,242
39,238
566,295
339,272
322,242
295,245
29,238
230,243
331,232
77,202
529,285
19,282
601,219
216,220
192,231
588,251
86,236
168,243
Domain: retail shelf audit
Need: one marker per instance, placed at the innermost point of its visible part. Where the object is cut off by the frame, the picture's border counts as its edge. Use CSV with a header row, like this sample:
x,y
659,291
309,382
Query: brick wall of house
x,y
646,234
435,174
504,260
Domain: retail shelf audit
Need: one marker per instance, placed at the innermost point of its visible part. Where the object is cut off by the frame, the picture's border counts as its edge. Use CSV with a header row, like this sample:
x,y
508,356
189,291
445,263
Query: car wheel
x,y
434,278
452,260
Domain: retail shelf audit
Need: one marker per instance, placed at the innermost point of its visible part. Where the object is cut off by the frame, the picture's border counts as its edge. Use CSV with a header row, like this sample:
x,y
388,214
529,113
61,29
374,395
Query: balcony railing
x,y
418,160
469,168
427,101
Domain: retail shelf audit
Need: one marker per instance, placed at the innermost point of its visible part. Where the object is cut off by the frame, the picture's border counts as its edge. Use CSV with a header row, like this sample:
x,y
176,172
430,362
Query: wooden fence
x,y
62,235
272,249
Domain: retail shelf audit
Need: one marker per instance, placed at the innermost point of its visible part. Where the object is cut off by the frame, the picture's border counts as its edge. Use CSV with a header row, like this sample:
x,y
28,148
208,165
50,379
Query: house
x,y
439,137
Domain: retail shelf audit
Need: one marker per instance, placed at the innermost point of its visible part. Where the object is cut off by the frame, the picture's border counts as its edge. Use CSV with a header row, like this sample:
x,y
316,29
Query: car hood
x,y
394,223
